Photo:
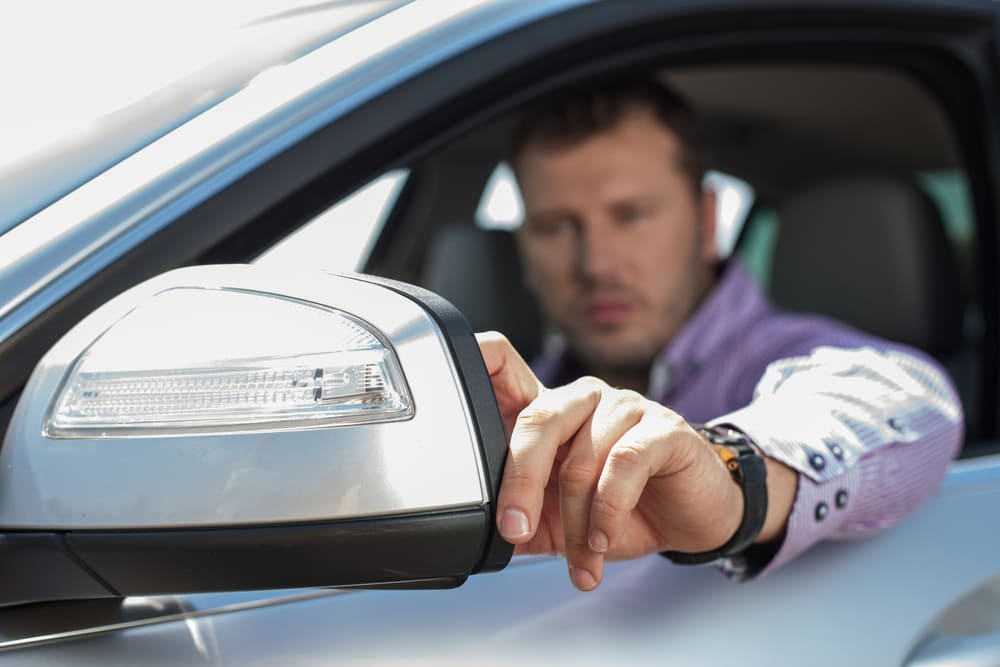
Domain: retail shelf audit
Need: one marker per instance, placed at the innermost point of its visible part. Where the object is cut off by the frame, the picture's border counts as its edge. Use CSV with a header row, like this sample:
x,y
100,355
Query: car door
x,y
233,183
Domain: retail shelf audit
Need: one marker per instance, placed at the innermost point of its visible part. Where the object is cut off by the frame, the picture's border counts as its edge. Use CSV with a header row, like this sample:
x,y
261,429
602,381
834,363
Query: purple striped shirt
x,y
869,425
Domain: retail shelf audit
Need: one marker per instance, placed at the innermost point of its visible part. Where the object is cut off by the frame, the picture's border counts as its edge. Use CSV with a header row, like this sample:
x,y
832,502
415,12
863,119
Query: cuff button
x,y
841,499
835,449
821,511
817,461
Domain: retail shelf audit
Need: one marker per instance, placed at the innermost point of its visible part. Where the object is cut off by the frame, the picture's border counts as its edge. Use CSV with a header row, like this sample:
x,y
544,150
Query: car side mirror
x,y
234,428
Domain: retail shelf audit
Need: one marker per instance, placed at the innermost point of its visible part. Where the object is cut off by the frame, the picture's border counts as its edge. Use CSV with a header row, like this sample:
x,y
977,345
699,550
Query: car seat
x,y
873,252
479,271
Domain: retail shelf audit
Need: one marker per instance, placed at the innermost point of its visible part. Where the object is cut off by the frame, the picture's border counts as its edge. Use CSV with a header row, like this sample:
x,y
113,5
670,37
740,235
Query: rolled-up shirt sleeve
x,y
870,432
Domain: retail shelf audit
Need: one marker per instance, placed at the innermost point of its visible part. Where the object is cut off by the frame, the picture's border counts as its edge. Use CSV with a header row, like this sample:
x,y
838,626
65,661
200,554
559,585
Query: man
x,y
618,246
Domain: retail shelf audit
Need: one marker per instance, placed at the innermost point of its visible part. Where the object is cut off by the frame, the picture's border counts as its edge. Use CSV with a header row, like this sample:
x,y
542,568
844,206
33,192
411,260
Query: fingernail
x,y
513,524
598,541
582,579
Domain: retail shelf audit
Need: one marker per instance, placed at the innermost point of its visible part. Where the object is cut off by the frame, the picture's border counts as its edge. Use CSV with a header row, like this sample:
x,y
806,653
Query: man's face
x,y
616,245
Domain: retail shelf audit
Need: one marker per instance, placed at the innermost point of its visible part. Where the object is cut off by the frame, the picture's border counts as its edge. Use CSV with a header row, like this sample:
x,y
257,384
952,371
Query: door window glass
x,y
734,198
500,206
949,189
340,238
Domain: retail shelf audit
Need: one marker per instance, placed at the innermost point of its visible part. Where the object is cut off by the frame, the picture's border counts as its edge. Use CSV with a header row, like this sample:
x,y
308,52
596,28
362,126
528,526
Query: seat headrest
x,y
871,252
479,271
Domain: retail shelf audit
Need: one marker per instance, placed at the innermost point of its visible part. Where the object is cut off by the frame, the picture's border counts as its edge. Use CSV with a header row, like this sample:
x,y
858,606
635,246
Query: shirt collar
x,y
722,316
732,304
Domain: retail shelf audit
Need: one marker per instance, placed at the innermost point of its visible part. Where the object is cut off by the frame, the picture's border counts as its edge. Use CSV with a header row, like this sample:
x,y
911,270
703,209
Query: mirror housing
x,y
237,428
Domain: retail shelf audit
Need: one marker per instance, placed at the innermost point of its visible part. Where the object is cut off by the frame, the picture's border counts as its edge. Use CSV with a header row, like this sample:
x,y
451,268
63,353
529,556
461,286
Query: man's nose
x,y
597,254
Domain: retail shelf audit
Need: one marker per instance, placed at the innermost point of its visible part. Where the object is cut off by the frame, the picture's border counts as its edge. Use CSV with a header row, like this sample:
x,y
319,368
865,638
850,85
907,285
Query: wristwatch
x,y
748,470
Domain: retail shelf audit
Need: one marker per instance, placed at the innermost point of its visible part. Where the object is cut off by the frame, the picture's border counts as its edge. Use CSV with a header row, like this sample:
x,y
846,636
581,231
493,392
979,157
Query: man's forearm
x,y
867,435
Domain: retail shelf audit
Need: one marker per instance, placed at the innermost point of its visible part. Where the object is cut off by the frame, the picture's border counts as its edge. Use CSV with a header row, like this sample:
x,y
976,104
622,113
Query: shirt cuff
x,y
827,487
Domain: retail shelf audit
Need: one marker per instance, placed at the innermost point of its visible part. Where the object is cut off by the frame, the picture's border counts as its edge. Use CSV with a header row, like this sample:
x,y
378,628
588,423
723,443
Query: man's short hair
x,y
573,115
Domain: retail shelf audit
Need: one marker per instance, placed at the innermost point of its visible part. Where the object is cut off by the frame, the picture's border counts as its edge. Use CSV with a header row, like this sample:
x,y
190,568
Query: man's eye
x,y
629,213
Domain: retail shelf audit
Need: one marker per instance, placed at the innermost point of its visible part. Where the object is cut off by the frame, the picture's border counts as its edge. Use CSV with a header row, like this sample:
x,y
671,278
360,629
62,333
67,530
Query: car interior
x,y
860,211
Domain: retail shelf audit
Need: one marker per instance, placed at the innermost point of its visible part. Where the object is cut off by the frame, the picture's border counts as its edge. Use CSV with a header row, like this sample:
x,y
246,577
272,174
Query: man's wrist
x,y
748,469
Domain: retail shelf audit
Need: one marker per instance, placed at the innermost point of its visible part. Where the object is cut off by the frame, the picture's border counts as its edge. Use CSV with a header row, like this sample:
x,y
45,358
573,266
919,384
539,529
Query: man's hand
x,y
599,473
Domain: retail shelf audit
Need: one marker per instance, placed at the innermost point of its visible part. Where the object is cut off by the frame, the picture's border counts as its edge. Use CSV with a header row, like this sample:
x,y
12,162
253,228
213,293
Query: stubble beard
x,y
620,363
626,360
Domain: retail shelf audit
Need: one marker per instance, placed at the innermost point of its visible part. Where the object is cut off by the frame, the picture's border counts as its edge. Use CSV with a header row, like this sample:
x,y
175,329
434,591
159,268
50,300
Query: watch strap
x,y
748,470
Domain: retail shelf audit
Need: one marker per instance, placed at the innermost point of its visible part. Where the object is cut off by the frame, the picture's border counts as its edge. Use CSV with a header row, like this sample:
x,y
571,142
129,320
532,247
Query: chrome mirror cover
x,y
331,498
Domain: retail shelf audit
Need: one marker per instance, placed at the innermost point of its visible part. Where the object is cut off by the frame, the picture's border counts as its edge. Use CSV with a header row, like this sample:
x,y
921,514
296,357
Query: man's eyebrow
x,y
640,199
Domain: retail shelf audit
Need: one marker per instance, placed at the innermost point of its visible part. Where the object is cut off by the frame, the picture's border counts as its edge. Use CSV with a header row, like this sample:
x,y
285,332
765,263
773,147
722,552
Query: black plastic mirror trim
x,y
441,548
39,566
479,392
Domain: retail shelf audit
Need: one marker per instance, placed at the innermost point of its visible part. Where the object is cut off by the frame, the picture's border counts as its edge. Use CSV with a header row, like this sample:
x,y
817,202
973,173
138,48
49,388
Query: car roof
x,y
826,120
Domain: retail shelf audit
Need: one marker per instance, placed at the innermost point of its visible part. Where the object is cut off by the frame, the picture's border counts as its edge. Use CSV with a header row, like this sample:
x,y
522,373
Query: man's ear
x,y
708,211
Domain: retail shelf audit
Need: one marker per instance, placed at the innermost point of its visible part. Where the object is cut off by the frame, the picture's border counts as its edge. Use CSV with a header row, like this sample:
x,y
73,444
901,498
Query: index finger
x,y
546,424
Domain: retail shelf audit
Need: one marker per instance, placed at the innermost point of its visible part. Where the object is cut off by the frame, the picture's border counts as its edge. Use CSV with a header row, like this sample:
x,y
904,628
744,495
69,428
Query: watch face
x,y
720,435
